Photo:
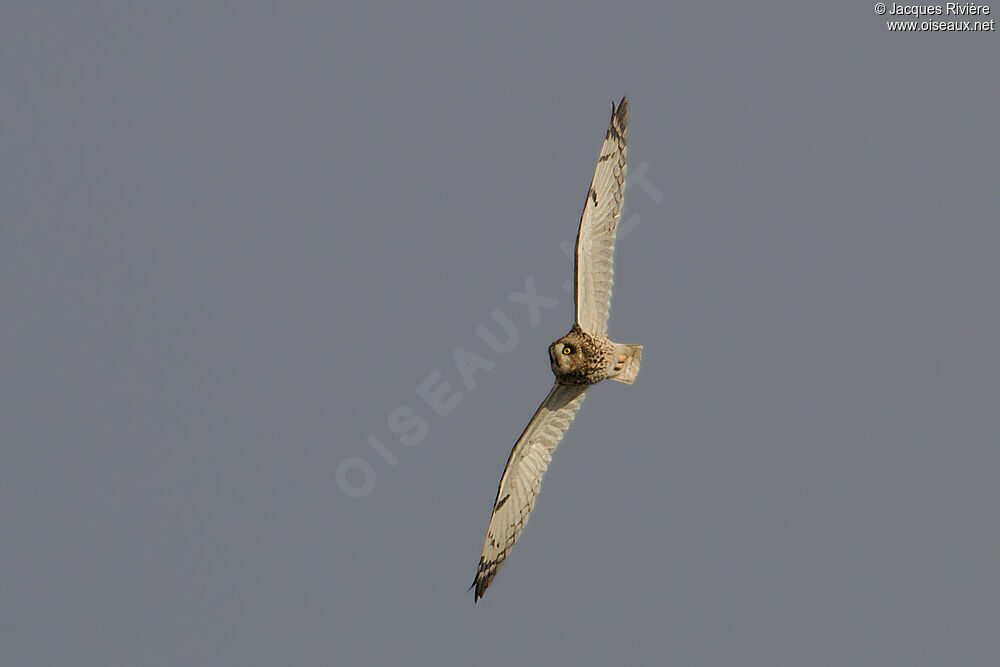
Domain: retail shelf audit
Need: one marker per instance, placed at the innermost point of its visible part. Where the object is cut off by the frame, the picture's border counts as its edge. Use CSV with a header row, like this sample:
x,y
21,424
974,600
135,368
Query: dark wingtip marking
x,y
622,109
593,195
477,583
619,118
484,575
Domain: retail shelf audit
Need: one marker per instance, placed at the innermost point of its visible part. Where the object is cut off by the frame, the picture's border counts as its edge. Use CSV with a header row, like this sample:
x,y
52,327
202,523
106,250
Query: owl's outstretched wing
x,y
522,477
595,242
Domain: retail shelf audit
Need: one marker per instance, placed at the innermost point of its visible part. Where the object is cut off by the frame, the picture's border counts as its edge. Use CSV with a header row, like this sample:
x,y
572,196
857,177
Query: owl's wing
x,y
522,477
595,242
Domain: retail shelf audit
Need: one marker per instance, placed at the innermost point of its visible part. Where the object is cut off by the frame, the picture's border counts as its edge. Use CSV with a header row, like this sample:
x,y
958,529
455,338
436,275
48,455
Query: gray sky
x,y
235,239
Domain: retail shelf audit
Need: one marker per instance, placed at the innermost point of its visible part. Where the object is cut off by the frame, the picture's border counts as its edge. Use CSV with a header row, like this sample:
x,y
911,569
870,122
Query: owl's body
x,y
581,358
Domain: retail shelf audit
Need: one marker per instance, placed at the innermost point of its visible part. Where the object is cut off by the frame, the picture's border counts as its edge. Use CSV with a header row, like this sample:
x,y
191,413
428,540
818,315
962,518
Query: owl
x,y
581,358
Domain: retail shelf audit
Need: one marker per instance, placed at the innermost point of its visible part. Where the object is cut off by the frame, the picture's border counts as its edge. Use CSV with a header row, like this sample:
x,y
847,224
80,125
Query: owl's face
x,y
567,354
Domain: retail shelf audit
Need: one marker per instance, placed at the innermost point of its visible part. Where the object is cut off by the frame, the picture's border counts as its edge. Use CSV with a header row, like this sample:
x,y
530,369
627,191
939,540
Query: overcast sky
x,y
237,238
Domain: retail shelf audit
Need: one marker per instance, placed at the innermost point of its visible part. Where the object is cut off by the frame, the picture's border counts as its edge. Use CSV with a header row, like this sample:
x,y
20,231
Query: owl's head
x,y
566,354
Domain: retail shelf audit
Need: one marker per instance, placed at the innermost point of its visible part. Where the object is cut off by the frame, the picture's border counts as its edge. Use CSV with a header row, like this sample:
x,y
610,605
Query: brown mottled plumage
x,y
582,357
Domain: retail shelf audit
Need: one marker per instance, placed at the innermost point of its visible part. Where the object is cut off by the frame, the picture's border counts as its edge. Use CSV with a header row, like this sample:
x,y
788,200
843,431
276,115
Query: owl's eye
x,y
567,350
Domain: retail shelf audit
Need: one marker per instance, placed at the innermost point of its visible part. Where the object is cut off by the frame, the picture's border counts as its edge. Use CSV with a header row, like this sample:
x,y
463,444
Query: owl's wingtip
x,y
479,583
476,595
621,108
619,118
480,587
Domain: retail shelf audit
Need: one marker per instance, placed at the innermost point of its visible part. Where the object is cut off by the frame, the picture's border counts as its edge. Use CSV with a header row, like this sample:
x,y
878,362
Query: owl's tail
x,y
630,365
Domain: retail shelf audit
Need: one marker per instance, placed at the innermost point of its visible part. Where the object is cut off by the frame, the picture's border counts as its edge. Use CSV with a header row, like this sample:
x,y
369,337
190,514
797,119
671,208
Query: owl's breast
x,y
595,361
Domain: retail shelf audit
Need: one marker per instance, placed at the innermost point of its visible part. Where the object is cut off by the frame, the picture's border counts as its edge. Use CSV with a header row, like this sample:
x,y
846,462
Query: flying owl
x,y
582,357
